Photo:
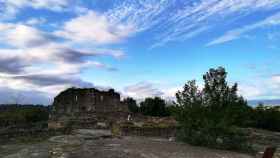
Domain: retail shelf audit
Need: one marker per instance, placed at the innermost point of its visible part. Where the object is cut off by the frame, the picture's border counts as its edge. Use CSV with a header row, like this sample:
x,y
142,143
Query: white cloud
x,y
37,4
35,61
33,57
10,8
23,36
63,58
13,96
36,21
174,20
250,91
215,12
142,14
265,88
33,45
237,33
43,67
275,82
5,26
118,54
142,90
94,28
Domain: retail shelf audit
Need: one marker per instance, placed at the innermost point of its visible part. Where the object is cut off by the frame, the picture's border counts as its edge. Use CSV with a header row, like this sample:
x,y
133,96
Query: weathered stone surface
x,y
102,125
77,146
66,139
86,108
92,133
26,151
76,100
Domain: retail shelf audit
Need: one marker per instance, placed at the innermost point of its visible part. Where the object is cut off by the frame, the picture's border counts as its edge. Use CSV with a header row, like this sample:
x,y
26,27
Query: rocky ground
x,y
100,144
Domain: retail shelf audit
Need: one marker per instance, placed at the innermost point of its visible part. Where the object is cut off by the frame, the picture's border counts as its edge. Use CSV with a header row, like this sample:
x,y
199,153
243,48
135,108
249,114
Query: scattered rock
x,y
102,125
92,133
66,139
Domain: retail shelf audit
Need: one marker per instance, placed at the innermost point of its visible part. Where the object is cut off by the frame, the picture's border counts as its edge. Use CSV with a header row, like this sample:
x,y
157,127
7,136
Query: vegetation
x,y
212,116
154,107
22,114
216,104
209,116
132,105
266,117
150,106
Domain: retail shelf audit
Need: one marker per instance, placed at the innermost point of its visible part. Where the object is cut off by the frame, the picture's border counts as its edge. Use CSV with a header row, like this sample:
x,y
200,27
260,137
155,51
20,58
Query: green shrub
x,y
266,117
23,115
208,117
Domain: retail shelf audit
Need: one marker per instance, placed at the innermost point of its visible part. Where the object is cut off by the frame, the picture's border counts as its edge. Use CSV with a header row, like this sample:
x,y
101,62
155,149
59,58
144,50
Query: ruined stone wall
x,y
75,100
86,108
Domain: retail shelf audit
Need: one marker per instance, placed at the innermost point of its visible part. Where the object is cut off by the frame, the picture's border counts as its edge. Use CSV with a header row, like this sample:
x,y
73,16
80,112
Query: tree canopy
x,y
154,107
132,104
208,116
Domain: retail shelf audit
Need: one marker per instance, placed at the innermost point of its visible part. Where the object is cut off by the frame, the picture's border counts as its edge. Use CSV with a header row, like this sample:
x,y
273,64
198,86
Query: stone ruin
x,y
87,107
94,109
76,100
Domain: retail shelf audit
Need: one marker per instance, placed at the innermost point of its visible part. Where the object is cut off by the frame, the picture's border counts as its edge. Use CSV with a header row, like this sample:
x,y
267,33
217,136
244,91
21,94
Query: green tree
x,y
266,117
153,107
132,105
208,116
223,99
23,115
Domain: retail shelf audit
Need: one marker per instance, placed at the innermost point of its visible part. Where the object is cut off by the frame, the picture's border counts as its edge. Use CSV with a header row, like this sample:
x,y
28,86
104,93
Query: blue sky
x,y
141,48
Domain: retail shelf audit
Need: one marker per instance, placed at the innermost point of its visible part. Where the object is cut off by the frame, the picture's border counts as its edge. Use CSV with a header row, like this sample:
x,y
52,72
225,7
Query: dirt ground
x,y
98,144
139,147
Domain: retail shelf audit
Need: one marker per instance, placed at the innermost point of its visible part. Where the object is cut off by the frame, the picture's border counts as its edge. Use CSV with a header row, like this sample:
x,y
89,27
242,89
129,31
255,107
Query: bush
x,y
266,117
132,105
154,107
209,117
23,115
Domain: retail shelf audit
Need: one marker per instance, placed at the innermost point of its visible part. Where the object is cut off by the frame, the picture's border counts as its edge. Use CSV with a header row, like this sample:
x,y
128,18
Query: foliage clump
x,y
18,115
266,117
132,105
154,107
209,116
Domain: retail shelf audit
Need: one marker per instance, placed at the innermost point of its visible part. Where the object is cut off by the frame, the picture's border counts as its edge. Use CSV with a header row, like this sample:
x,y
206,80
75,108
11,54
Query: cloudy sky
x,y
139,47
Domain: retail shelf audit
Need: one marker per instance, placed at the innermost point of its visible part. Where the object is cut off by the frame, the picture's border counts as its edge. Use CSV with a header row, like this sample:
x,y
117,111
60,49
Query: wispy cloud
x,y
36,56
176,20
141,90
144,89
237,33
10,8
36,21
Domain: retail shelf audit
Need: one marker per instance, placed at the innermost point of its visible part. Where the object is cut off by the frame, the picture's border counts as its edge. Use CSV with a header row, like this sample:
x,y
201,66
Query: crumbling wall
x,y
76,100
86,108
